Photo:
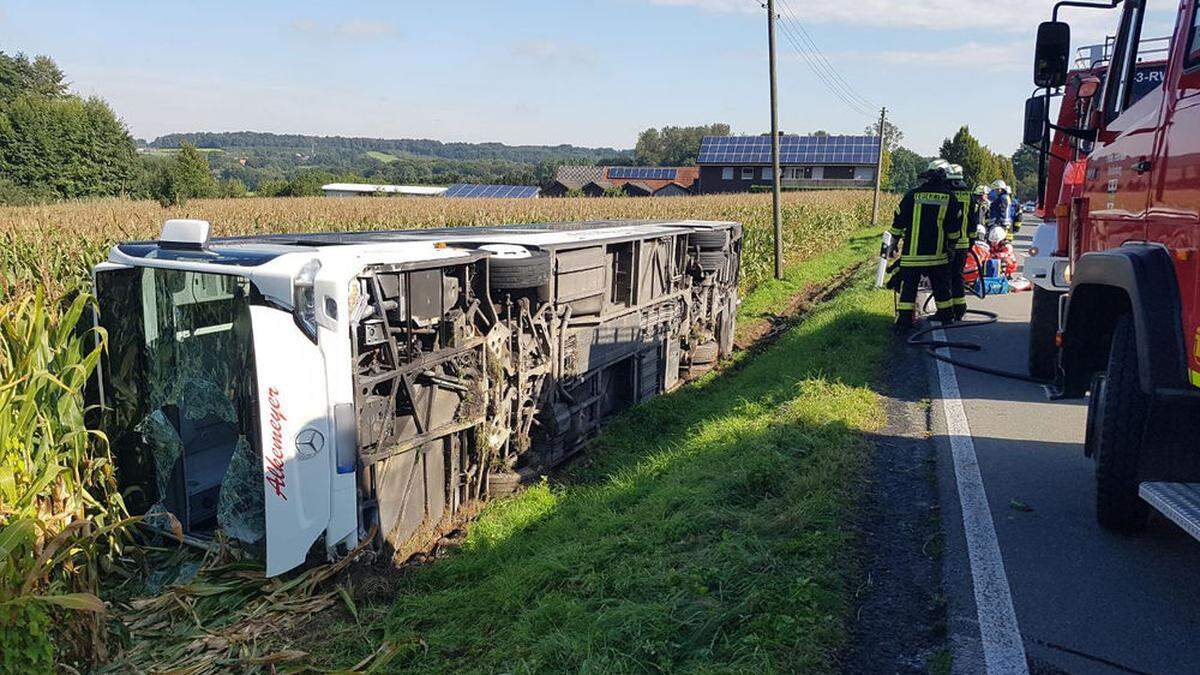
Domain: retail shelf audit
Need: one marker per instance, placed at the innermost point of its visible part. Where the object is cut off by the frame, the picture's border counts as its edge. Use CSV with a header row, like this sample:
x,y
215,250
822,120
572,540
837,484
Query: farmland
x,y
62,519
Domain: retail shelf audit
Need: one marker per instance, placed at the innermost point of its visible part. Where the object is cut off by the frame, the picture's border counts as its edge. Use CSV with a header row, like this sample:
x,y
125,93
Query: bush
x,y
25,645
12,194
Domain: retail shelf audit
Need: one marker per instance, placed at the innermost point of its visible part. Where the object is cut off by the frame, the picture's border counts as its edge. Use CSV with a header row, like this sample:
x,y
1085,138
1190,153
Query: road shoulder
x,y
900,618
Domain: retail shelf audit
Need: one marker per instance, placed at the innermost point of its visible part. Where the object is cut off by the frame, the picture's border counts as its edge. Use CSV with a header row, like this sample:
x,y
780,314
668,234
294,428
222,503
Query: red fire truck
x,y
1049,253
1129,325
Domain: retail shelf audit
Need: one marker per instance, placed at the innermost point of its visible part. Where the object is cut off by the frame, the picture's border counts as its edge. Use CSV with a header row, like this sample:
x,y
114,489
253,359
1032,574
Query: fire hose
x,y
932,346
919,339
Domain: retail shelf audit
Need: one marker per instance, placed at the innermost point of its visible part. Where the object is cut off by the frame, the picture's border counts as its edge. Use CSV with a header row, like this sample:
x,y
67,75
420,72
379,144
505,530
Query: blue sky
x,y
587,72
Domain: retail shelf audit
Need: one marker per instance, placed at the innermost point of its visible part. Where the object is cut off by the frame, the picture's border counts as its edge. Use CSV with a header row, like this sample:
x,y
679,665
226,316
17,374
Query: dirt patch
x,y
764,329
900,618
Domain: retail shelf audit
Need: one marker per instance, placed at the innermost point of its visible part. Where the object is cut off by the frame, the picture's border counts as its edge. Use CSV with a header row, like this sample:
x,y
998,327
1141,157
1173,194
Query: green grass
x,y
706,532
771,296
381,156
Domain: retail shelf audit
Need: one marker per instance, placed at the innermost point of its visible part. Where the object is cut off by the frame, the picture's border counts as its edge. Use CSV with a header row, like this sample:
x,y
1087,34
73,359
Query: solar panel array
x,y
640,173
472,191
792,150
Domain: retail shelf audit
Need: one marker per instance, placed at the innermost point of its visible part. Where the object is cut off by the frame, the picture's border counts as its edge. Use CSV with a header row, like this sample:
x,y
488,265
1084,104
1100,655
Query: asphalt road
x,y
1086,600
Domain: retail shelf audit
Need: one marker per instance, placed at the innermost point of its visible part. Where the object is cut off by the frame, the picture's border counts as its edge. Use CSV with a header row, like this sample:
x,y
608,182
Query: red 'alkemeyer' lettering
x,y
273,459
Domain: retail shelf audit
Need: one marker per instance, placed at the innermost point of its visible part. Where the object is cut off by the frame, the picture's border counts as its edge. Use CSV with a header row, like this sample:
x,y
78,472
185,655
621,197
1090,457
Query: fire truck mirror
x,y
1052,55
1035,120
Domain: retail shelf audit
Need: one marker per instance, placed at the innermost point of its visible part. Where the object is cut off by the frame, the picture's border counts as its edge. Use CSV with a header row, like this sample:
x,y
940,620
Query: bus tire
x,y
1118,433
712,261
709,240
517,273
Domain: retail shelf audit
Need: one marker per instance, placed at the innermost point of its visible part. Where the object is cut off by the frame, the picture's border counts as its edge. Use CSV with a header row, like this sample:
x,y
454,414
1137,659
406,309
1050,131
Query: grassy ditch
x,y
707,531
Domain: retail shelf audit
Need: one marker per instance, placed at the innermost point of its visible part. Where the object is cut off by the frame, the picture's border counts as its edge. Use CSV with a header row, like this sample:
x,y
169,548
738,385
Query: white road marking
x,y
1003,650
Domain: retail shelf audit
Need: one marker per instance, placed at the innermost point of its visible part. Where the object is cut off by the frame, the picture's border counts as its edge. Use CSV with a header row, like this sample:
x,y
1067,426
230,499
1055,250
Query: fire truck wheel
x,y
1121,411
524,272
709,240
712,261
1043,326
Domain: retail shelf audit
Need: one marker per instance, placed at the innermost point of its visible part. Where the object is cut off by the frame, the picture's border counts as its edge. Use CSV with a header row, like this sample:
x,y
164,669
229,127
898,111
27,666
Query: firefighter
x,y
962,245
1000,209
925,227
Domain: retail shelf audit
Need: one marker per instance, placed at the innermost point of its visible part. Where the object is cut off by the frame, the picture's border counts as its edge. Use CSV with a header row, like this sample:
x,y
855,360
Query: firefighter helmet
x,y
999,185
981,189
954,172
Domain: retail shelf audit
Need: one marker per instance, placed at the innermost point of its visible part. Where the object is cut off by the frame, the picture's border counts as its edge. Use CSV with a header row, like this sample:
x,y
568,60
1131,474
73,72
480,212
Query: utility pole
x,y
775,177
878,169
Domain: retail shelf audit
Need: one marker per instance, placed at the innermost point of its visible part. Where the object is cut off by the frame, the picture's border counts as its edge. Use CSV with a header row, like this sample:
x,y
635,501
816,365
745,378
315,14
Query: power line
x,y
842,91
837,76
817,70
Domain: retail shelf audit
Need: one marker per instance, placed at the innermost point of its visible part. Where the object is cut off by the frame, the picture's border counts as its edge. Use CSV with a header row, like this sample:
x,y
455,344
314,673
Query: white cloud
x,y
1014,16
350,29
549,53
973,55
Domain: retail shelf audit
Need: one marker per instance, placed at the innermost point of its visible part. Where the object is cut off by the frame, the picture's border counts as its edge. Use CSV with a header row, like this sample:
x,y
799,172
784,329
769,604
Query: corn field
x,y
61,519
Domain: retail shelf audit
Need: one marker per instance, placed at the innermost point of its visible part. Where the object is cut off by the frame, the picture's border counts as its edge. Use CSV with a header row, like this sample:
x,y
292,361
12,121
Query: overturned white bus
x,y
299,391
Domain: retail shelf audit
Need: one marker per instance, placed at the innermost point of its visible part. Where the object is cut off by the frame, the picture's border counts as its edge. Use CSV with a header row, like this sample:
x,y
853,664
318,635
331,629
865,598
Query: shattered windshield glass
x,y
179,395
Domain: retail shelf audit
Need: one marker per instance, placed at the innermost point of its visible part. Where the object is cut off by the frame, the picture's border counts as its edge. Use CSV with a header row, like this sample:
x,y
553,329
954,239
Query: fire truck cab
x,y
1128,324
1049,252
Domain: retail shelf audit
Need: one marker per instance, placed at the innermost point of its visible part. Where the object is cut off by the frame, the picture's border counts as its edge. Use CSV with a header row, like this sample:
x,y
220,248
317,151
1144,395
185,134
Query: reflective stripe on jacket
x,y
964,197
927,219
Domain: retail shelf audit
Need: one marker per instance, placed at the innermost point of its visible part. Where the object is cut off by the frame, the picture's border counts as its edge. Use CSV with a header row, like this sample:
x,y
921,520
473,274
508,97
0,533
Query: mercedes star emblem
x,y
309,442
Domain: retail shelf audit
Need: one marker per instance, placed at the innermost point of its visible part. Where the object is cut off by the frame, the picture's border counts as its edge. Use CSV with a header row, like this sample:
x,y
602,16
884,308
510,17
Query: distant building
x,y
672,190
478,191
635,181
743,163
365,190
573,178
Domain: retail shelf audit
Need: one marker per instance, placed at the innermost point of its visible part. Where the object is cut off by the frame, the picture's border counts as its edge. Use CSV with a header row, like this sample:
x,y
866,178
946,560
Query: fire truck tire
x,y
712,261
1121,411
710,240
706,353
514,273
1043,326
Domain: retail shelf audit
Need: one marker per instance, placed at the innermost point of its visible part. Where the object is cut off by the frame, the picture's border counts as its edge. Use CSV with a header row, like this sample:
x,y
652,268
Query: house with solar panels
x,y
635,181
743,163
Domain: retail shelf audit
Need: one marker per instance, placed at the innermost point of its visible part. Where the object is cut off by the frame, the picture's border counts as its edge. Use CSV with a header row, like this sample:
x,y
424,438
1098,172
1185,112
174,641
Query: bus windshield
x,y
178,393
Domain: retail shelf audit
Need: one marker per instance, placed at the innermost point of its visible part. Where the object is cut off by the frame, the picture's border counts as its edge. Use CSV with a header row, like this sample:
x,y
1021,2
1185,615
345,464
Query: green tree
x,y
819,133
54,145
21,75
65,147
980,165
193,174
232,188
674,146
892,139
272,187
905,168
1025,170
185,176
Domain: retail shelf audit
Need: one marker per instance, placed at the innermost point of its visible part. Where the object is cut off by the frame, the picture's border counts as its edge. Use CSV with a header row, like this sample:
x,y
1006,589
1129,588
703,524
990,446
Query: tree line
x,y
56,145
